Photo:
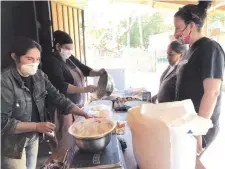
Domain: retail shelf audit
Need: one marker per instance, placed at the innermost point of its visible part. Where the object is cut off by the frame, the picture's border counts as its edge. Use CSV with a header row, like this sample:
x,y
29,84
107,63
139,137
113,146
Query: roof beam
x,y
178,2
174,4
77,3
217,5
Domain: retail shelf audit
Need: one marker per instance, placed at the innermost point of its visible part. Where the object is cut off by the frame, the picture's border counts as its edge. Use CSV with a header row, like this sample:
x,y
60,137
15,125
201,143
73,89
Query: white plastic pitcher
x,y
160,135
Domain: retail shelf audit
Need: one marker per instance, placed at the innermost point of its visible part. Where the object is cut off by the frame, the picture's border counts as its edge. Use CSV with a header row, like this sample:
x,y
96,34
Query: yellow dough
x,y
92,127
102,113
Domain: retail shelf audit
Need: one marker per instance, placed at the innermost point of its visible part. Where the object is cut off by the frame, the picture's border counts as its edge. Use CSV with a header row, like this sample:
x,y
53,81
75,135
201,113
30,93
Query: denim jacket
x,y
16,106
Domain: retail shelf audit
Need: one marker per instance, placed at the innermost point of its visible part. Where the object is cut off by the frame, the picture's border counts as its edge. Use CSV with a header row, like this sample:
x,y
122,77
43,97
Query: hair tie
x,y
195,16
197,19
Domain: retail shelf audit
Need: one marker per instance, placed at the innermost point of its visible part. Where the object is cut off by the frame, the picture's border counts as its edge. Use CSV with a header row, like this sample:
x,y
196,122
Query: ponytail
x,y
204,5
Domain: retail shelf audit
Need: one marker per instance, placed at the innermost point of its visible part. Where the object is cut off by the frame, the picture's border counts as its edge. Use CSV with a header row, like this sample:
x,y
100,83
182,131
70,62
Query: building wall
x,y
18,19
67,17
7,32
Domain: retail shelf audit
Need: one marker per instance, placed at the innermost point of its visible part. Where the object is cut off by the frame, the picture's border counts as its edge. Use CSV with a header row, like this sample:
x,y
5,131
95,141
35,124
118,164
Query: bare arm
x,y
79,112
74,89
211,92
208,103
61,101
212,70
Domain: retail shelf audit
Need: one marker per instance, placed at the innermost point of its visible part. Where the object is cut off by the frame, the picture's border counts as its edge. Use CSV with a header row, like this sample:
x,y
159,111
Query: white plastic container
x,y
101,108
160,135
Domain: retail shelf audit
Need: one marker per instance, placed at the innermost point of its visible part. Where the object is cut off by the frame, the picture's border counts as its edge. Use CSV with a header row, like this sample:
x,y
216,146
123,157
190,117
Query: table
x,y
128,154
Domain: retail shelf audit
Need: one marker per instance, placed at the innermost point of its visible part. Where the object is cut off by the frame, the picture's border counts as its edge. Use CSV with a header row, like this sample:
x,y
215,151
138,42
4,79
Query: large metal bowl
x,y
106,85
93,143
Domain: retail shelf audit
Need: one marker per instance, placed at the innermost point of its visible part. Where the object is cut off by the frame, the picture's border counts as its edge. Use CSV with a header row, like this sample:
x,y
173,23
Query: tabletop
x,y
128,154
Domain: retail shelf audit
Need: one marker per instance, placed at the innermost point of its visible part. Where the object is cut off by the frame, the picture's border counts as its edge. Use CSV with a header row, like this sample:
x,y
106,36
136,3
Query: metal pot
x,y
93,144
106,85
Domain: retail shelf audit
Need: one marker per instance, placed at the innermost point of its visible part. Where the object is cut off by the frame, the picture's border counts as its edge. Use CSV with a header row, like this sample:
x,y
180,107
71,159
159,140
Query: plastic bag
x,y
101,108
161,134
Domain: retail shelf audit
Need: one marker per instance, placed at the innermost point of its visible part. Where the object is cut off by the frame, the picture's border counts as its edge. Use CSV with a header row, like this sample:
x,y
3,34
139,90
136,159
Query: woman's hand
x,y
90,89
199,145
101,72
95,73
88,116
154,98
45,127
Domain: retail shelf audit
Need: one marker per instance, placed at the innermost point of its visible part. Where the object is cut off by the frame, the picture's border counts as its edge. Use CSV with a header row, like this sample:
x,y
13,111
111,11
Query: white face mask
x,y
29,69
65,54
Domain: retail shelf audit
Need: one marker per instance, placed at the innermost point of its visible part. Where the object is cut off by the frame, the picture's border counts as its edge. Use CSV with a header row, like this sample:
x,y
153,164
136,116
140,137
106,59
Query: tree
x,y
215,20
133,32
216,16
151,25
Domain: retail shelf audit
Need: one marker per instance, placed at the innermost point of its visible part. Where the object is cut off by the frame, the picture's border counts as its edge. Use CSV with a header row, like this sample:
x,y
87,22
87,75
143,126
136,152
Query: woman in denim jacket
x,y
24,89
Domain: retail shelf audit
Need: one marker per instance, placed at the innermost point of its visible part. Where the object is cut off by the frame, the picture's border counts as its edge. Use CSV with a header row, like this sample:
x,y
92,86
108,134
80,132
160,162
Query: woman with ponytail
x,y
68,74
201,78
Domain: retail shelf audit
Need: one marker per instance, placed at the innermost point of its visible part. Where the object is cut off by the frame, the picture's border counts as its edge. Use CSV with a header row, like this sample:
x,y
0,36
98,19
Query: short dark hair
x,y
61,38
178,47
22,45
194,13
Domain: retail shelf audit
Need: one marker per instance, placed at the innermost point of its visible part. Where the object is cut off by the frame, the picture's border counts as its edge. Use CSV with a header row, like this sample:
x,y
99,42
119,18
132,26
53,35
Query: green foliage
x,y
150,25
134,35
97,33
153,25
215,17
